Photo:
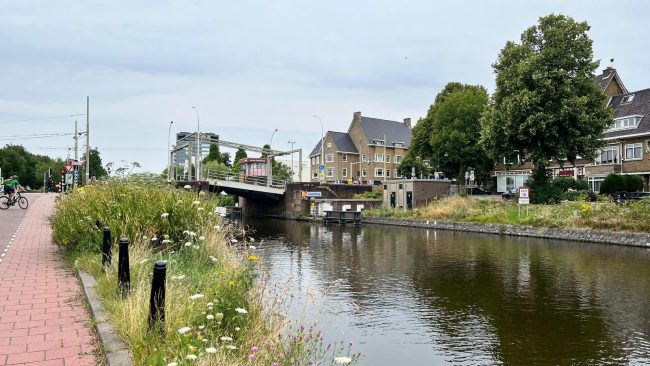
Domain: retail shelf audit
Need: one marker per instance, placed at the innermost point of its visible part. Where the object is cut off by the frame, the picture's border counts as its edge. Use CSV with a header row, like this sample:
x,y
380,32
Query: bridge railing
x,y
258,181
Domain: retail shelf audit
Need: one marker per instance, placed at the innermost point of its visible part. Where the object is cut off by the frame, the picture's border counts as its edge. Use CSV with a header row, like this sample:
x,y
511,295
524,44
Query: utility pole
x,y
292,172
385,157
87,140
76,142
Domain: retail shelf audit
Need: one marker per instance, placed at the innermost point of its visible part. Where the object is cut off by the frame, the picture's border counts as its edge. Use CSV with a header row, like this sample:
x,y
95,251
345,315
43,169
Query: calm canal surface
x,y
409,296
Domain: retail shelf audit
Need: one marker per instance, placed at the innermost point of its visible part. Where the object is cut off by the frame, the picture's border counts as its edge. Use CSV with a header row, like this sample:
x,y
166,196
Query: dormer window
x,y
627,98
625,123
379,142
398,144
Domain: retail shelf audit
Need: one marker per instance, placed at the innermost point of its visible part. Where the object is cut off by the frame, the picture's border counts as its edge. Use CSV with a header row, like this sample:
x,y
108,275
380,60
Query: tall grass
x,y
215,313
632,216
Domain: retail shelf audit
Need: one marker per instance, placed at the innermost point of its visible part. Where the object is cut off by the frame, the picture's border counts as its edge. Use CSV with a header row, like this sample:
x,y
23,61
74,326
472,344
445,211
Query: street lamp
x,y
322,150
291,142
169,153
269,167
198,145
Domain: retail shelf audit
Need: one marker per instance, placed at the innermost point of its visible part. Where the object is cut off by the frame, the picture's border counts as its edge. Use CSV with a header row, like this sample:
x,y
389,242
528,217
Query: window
x,y
329,145
330,172
344,158
595,182
508,161
379,172
363,173
385,187
387,158
398,144
387,173
379,158
345,172
397,174
329,158
627,98
625,123
633,152
607,155
363,157
398,159
379,142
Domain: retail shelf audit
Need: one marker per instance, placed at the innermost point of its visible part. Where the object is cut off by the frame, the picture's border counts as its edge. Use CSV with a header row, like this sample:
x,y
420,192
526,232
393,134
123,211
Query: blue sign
x,y
314,194
321,167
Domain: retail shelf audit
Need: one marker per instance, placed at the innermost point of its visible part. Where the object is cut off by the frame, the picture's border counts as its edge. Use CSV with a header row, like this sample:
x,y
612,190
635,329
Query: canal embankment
x,y
586,235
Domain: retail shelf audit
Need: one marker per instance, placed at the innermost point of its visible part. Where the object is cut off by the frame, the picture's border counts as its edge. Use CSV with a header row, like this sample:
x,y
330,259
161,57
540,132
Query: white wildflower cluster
x,y
164,215
196,203
196,296
178,277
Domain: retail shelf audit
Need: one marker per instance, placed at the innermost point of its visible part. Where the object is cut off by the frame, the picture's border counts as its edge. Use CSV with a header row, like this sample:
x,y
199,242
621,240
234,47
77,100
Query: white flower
x,y
230,346
252,240
196,296
187,186
223,193
210,304
164,215
172,364
201,238
241,310
201,327
184,330
200,209
192,233
195,246
166,236
342,360
179,277
252,247
237,329
166,241
210,317
154,238
196,203
188,244
226,339
145,238
233,240
213,259
217,227
191,357
186,232
210,350
204,340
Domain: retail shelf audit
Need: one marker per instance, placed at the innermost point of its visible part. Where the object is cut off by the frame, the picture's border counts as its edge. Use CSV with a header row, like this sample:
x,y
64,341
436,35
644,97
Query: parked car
x,y
509,195
621,197
473,191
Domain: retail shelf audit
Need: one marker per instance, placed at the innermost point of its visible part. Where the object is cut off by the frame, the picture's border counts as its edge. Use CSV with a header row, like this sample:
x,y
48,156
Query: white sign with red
x,y
524,196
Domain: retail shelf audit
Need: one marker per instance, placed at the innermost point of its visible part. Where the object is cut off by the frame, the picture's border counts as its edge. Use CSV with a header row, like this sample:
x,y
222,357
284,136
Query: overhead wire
x,y
43,118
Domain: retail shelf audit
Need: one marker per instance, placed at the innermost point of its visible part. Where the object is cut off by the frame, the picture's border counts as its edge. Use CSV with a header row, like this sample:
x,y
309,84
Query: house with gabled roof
x,y
371,151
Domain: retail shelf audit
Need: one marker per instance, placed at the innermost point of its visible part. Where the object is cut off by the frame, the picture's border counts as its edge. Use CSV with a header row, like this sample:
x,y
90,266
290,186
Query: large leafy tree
x,y
30,168
96,168
214,154
240,154
546,106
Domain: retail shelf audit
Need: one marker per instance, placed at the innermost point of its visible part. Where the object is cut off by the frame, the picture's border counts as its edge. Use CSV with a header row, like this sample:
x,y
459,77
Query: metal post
x,y
198,146
300,167
87,140
157,298
123,274
169,153
106,248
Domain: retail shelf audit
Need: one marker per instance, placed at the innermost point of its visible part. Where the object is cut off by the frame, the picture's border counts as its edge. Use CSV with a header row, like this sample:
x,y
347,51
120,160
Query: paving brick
x,y
42,317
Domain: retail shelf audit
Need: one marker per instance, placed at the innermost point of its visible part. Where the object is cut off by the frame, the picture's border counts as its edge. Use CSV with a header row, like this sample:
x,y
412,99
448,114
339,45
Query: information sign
x,y
314,194
524,196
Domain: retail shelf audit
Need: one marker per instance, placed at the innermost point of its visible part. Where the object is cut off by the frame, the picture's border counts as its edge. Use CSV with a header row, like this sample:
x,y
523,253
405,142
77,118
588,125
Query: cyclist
x,y
11,186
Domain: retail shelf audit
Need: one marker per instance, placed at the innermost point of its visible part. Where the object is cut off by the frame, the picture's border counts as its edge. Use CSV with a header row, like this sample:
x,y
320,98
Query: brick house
x,y
371,151
626,147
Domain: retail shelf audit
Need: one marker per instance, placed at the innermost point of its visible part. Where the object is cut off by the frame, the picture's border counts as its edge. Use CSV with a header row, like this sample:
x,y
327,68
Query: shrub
x,y
580,196
613,183
375,195
633,183
566,183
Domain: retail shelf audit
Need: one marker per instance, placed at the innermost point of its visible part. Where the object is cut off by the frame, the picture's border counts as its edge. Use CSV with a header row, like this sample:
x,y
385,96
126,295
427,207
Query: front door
x,y
392,199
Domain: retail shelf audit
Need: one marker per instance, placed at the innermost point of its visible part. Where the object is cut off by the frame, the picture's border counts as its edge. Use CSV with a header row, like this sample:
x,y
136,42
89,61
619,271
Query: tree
x,y
95,165
240,154
546,106
456,130
30,168
214,154
410,161
225,159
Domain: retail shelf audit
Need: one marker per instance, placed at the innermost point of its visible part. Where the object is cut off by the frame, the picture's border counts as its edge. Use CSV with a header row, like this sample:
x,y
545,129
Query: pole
x,y
123,274
292,171
269,165
157,297
106,248
385,157
169,153
87,140
322,150
198,145
300,167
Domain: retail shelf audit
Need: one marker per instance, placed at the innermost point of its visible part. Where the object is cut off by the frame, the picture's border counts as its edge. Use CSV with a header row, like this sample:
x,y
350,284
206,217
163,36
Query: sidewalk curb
x,y
114,349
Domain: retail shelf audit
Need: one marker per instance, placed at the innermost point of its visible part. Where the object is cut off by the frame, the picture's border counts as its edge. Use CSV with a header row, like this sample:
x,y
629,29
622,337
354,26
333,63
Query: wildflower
x,y
237,329
342,360
234,241
191,357
252,240
167,241
178,277
188,244
201,327
195,246
230,346
172,364
204,340
217,227
212,258
210,304
164,215
253,257
187,186
184,330
218,316
275,364
252,247
210,317
241,310
166,236
196,296
186,232
232,283
154,238
254,349
196,203
201,238
200,209
145,237
251,357
210,350
226,339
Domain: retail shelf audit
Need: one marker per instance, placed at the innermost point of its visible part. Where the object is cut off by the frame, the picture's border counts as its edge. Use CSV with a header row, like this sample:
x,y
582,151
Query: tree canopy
x,y
15,160
240,154
546,106
95,164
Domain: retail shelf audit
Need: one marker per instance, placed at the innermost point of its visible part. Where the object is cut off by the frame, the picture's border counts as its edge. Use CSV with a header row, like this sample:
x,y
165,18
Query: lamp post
x,y
198,145
169,153
322,149
269,166
291,142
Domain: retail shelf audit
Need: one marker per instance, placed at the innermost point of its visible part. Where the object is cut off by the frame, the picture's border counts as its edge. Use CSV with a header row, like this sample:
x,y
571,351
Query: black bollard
x,y
157,299
123,274
106,248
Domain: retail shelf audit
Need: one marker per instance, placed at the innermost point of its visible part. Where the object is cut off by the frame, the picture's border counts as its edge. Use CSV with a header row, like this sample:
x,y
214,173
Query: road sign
x,y
314,194
524,196
321,167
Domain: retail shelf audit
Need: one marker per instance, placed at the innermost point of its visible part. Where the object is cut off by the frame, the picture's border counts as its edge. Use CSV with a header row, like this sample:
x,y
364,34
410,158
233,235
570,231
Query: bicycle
x,y
6,201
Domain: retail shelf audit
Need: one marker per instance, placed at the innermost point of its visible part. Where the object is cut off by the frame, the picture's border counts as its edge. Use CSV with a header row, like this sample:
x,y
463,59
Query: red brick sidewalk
x,y
43,320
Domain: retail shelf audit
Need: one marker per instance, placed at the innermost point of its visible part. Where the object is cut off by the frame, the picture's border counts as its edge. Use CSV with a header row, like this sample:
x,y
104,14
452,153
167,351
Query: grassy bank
x,y
632,216
215,312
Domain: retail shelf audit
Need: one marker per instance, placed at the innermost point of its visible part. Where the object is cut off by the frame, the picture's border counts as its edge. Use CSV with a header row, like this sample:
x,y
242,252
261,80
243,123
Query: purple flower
x,y
254,349
251,356
275,364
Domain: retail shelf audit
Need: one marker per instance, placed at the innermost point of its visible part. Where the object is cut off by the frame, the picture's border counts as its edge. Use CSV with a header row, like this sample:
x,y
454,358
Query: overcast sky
x,y
253,66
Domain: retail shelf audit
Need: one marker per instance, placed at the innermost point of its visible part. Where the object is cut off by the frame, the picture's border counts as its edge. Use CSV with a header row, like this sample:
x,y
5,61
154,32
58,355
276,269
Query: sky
x,y
250,67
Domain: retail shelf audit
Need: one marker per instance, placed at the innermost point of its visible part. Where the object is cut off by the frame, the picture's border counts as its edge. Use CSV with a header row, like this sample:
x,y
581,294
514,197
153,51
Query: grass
x,y
631,216
215,313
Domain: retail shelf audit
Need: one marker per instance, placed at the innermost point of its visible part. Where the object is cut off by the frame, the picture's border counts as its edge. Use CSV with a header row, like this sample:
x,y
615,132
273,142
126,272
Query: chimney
x,y
609,69
407,121
357,115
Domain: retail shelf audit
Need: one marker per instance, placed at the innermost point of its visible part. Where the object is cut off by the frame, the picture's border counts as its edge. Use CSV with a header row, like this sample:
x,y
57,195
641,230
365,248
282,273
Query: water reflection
x,y
426,297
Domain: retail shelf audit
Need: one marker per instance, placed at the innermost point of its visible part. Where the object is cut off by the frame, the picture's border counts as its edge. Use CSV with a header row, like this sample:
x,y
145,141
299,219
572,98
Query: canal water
x,y
410,296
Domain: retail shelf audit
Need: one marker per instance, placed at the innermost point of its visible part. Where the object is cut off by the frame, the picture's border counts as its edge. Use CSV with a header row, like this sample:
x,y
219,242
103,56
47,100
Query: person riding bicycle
x,y
11,186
